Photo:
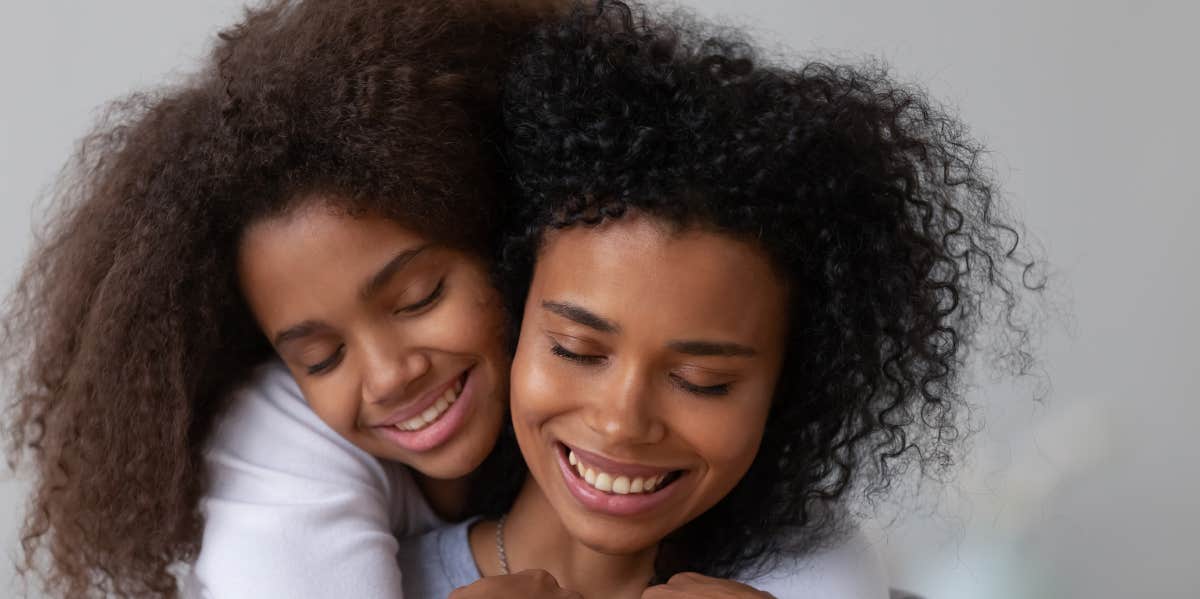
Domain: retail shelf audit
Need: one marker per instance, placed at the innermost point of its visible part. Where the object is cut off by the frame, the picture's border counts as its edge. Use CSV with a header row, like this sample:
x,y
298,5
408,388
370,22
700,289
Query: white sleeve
x,y
850,570
294,510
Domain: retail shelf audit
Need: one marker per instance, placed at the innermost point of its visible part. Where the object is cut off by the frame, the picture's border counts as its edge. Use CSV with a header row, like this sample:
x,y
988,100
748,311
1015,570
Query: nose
x,y
625,411
389,366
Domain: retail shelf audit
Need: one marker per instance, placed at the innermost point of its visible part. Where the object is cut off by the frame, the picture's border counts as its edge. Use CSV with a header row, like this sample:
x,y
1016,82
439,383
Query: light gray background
x,y
1090,111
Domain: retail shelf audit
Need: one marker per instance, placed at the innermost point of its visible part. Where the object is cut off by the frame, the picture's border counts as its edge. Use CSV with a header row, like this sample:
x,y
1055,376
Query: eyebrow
x,y
582,316
385,274
587,318
711,348
298,331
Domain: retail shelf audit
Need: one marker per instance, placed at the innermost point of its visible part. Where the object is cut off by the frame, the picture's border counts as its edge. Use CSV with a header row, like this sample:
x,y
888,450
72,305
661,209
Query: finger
x,y
689,577
540,578
663,591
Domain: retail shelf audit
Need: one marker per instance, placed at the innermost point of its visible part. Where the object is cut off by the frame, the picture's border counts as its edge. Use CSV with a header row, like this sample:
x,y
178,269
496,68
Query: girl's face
x,y
643,376
396,341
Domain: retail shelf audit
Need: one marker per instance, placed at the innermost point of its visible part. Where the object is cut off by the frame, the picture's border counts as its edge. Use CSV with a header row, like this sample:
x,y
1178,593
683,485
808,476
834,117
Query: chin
x,y
440,472
458,462
614,540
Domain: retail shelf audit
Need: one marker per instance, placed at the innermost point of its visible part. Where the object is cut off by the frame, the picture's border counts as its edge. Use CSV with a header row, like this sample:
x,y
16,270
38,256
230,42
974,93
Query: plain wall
x,y
1089,111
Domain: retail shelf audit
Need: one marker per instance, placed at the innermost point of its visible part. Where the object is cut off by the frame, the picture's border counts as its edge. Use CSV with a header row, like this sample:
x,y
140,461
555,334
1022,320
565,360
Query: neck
x,y
448,498
534,538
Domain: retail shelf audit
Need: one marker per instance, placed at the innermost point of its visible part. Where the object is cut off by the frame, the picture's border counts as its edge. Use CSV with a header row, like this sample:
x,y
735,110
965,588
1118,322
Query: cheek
x,y
732,442
334,399
533,386
725,433
483,313
470,322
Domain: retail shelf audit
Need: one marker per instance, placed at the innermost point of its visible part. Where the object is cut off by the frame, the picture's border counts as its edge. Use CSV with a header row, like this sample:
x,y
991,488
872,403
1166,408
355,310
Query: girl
x,y
747,291
133,329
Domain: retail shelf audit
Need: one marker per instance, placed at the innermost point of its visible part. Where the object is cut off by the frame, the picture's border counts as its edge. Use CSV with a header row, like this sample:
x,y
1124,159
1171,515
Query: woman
x,y
747,292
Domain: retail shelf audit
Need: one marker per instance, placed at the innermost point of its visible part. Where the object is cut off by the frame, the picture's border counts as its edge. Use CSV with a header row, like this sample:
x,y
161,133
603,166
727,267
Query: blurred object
x,y
981,525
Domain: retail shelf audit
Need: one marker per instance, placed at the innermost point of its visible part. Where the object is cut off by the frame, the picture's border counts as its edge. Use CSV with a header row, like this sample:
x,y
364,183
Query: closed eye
x,y
710,390
567,354
426,301
328,363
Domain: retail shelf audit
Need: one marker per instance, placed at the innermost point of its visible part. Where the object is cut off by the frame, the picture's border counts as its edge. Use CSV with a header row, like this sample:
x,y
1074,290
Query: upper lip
x,y
414,408
612,466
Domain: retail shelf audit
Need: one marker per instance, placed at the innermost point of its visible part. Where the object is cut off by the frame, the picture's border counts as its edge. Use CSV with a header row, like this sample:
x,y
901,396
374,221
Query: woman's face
x,y
396,341
643,376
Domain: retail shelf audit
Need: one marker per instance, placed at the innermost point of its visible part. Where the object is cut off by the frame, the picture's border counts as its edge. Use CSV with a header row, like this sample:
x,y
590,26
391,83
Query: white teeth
x,y
430,414
458,386
620,485
609,483
433,412
604,482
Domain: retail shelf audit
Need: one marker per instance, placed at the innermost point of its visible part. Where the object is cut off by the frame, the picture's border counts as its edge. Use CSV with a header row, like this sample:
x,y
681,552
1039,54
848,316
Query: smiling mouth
x,y
435,411
618,481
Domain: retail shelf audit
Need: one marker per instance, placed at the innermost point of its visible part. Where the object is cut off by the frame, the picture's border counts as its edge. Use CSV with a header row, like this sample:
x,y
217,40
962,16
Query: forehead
x,y
320,218
638,267
314,259
296,243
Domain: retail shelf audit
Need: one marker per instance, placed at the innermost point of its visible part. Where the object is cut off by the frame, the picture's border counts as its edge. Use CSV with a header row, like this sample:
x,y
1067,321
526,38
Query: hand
x,y
527,584
692,585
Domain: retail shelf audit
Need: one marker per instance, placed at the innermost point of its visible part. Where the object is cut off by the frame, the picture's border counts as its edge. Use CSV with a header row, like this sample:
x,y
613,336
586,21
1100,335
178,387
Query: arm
x,y
292,509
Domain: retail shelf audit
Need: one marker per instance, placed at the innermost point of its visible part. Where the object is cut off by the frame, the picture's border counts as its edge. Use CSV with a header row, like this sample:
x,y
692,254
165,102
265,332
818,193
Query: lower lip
x,y
607,503
440,430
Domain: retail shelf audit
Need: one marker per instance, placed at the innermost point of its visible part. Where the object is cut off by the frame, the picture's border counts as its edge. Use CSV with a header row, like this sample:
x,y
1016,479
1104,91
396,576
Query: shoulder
x,y
293,508
848,569
437,562
270,448
268,434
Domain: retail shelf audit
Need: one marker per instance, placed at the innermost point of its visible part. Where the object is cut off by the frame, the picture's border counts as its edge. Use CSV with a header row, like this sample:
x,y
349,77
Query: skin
x,y
371,317
529,584
619,375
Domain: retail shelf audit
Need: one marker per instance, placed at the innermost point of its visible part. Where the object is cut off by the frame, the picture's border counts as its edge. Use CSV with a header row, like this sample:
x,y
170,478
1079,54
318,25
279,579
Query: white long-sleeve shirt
x,y
293,510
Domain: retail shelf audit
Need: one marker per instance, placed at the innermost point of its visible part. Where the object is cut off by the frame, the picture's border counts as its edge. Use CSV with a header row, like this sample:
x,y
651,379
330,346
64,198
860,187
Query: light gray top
x,y
439,561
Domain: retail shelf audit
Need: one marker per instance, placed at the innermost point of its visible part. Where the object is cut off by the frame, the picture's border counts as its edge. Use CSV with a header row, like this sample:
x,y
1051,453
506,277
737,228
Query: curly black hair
x,y
873,203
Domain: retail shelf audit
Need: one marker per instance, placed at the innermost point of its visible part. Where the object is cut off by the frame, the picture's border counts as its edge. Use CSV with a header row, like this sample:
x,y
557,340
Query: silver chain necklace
x,y
500,544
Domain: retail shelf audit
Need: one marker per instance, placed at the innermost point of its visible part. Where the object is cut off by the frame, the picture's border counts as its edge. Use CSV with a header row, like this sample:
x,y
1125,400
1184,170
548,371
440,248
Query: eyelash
x,y
429,299
331,361
714,390
563,352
